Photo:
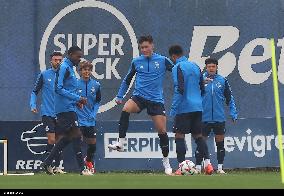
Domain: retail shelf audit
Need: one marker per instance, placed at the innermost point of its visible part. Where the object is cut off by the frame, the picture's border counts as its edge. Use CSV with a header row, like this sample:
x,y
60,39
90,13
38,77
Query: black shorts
x,y
217,127
188,123
65,121
88,132
153,108
49,123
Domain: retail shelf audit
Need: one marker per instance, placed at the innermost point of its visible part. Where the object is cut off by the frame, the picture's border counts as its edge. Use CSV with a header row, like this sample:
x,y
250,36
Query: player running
x,y
150,69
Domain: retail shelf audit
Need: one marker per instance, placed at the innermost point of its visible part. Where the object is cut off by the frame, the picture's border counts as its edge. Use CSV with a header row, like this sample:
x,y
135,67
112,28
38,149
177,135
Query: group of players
x,y
69,105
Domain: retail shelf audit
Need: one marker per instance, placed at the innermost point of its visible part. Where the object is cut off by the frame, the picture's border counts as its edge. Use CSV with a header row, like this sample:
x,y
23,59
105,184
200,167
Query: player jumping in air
x,y
150,69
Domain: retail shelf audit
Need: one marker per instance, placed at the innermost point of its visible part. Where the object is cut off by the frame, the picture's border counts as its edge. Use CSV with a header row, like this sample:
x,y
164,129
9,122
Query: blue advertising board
x,y
249,143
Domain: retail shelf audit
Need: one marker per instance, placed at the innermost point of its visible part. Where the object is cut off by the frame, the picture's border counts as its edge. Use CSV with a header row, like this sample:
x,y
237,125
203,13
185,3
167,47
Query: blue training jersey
x,y
188,87
65,88
45,84
92,91
150,72
217,93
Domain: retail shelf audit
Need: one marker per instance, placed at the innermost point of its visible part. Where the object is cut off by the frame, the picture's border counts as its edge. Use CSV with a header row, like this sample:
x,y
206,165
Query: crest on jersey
x,y
157,65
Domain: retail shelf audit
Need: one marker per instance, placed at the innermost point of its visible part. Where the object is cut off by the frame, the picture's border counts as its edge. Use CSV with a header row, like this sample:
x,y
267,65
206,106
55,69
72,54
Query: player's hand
x,y
34,110
83,100
207,80
118,101
80,105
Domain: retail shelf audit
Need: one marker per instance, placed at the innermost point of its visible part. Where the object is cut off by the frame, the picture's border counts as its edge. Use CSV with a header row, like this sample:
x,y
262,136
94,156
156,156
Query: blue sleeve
x,y
230,100
178,79
97,101
169,64
59,80
201,84
126,82
37,88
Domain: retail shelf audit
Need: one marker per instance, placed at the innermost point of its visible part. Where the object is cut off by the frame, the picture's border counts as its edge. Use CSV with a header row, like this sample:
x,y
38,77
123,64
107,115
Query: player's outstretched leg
x,y
129,107
123,126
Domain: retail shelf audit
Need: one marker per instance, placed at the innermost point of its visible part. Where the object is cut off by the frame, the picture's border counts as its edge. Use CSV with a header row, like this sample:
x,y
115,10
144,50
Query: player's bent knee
x,y
179,135
75,132
196,136
162,131
219,138
131,107
91,140
50,138
58,137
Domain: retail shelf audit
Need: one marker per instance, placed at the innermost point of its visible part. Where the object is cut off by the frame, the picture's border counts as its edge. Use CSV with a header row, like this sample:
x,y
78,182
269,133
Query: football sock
x,y
200,149
123,124
58,158
180,149
206,162
91,152
198,167
78,152
220,166
59,146
220,152
164,144
48,150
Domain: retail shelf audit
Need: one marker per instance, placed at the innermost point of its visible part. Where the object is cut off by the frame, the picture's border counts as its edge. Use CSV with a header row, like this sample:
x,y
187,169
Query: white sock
x,y
207,161
122,140
198,167
220,166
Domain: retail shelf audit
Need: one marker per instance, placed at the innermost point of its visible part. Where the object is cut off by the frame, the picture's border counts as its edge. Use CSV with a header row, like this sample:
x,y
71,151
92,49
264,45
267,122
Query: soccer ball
x,y
187,167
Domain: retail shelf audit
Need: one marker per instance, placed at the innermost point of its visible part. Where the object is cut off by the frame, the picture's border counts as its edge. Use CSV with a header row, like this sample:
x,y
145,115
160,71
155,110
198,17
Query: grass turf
x,y
236,179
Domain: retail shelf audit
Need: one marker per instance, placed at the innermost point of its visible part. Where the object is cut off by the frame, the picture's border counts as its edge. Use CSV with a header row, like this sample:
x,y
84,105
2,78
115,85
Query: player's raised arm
x,y
125,83
36,90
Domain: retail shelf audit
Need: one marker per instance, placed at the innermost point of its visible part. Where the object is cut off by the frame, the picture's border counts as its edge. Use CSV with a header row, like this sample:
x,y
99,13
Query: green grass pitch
x,y
234,179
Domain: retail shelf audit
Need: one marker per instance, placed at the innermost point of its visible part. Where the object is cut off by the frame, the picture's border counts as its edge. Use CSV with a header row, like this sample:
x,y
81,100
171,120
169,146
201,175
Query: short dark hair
x,y
73,49
175,49
85,64
211,61
145,38
56,54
